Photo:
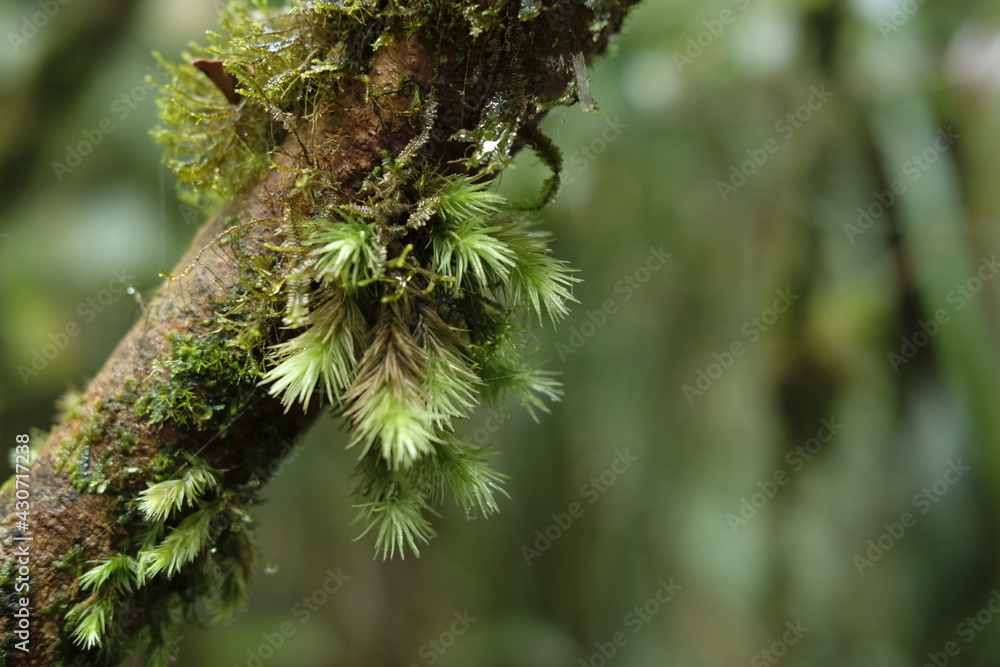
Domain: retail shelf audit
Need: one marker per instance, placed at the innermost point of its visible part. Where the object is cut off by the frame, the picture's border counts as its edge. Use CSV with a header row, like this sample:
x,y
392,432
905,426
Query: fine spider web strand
x,y
213,244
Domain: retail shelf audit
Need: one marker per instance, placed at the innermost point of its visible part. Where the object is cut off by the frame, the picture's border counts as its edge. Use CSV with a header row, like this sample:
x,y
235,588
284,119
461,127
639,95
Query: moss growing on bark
x,y
409,301
402,299
201,386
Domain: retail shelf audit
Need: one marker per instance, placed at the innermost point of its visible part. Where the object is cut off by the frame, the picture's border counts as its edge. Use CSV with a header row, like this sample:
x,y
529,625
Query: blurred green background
x,y
777,445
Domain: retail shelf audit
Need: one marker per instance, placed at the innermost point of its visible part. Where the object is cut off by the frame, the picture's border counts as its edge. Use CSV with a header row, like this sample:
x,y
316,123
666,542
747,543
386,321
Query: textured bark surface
x,y
347,142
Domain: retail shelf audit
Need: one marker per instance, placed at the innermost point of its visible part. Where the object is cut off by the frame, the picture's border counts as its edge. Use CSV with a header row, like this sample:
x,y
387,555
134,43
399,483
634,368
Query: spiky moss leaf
x,y
121,571
396,501
462,199
472,247
161,500
464,240
386,403
233,565
323,356
181,545
398,516
90,620
399,424
538,278
347,251
498,250
463,470
307,363
408,388
212,580
505,370
450,383
158,640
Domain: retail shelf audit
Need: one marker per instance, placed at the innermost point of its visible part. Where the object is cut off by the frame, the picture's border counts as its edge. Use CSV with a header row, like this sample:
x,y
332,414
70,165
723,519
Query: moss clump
x,y
201,386
193,553
103,473
74,451
409,301
71,561
405,302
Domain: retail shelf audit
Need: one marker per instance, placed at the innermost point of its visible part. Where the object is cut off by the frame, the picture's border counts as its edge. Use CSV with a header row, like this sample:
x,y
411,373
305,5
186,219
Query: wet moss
x,y
198,556
201,386
288,69
103,472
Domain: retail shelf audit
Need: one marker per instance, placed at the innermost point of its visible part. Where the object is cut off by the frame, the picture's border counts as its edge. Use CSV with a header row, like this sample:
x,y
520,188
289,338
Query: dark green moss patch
x,y
203,384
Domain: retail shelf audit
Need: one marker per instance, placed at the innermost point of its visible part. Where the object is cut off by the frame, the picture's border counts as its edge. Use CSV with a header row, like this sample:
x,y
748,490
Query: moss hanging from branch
x,y
408,300
360,261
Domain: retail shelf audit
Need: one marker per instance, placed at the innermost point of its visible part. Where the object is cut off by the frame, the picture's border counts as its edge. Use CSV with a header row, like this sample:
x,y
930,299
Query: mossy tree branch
x,y
145,484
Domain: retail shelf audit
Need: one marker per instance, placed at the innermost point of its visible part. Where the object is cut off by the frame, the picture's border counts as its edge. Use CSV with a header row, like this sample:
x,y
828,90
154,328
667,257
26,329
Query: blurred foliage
x,y
658,475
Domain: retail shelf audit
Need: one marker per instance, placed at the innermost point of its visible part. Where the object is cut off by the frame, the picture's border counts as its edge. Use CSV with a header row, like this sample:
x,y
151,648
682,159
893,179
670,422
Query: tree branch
x,y
86,481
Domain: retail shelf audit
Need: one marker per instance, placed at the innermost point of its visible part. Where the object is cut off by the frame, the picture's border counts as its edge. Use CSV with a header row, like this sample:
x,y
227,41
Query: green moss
x,y
71,561
57,608
413,295
287,67
130,394
73,452
104,472
7,574
203,384
69,405
408,300
196,553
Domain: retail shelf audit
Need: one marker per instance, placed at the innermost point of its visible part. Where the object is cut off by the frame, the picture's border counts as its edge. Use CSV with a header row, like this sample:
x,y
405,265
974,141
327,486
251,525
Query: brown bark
x,y
346,142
